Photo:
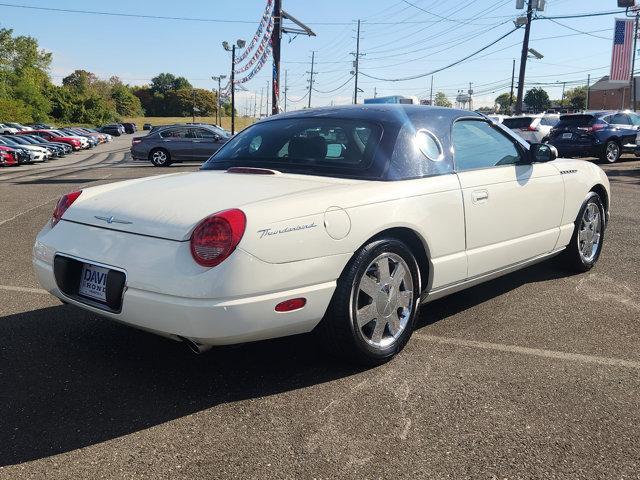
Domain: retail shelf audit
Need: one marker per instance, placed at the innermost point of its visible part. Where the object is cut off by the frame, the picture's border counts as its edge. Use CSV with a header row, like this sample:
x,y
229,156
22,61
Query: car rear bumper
x,y
168,294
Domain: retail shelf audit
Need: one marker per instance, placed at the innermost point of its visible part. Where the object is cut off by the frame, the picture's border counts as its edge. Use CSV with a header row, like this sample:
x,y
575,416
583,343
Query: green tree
x,y
165,82
576,98
502,101
441,100
125,102
80,81
537,99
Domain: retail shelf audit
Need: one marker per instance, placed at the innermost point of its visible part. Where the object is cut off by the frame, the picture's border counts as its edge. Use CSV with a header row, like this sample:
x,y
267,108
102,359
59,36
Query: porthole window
x,y
429,145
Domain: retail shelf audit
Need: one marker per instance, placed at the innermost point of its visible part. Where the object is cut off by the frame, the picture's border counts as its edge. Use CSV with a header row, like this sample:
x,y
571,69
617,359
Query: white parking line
x,y
27,211
11,288
536,352
2,222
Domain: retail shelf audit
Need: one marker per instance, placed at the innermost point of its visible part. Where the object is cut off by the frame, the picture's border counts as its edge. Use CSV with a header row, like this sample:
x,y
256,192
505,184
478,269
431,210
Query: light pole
x,y
240,44
219,79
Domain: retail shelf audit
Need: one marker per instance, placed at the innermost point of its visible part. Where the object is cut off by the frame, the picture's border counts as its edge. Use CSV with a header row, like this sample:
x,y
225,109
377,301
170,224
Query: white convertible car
x,y
339,220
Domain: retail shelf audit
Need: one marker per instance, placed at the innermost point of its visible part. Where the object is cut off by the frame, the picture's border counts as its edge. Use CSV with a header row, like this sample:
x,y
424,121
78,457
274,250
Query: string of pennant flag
x,y
260,46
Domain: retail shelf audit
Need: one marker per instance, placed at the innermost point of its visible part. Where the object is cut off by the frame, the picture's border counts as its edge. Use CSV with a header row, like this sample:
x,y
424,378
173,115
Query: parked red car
x,y
7,157
52,137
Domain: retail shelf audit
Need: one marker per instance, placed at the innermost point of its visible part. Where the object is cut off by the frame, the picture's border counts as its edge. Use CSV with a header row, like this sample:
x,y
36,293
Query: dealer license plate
x,y
93,282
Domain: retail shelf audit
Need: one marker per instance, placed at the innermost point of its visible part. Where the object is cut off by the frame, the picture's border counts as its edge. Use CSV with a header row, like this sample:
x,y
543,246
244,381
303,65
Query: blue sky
x,y
398,39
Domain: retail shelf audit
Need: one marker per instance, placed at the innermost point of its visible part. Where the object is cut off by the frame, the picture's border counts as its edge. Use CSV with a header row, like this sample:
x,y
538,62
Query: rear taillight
x,y
135,141
531,129
63,204
217,236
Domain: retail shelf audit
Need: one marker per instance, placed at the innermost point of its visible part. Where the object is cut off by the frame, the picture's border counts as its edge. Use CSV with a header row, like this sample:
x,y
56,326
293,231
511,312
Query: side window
x,y
174,133
620,119
635,119
477,144
204,133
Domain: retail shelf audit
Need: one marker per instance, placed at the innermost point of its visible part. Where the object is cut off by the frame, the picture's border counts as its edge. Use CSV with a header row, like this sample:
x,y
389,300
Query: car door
x,y
513,208
178,143
206,143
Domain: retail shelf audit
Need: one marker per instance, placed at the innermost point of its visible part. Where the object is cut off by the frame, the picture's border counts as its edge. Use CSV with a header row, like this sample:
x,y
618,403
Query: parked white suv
x,y
532,128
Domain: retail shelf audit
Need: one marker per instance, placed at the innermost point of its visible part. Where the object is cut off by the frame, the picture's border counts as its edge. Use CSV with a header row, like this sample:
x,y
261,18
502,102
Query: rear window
x,y
316,146
517,122
575,121
549,121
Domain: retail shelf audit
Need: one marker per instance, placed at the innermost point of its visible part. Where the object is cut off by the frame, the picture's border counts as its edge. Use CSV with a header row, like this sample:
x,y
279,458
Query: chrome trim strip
x,y
484,277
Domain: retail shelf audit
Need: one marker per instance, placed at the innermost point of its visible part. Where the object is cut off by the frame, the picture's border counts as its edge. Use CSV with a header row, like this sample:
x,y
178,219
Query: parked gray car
x,y
178,144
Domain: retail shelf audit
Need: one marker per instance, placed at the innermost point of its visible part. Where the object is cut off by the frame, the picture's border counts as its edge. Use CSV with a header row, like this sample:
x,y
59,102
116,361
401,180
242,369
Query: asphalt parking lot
x,y
533,375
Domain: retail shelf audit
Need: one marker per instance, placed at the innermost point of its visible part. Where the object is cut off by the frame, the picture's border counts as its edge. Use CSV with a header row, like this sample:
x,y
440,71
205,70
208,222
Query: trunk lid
x,y
169,206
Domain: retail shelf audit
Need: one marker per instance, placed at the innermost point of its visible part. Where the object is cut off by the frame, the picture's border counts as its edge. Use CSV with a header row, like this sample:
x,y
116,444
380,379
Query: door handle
x,y
479,196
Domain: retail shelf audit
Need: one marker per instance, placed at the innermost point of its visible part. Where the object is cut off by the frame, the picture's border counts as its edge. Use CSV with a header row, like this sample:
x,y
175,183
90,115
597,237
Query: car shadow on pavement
x,y
69,379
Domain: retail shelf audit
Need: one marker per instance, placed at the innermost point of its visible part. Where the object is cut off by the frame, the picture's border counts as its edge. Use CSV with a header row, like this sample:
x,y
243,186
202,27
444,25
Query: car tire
x,y
159,157
611,152
585,246
370,328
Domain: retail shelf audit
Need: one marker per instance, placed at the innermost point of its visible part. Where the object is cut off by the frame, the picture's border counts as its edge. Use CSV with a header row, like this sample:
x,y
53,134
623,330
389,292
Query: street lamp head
x,y
222,77
225,45
240,43
536,53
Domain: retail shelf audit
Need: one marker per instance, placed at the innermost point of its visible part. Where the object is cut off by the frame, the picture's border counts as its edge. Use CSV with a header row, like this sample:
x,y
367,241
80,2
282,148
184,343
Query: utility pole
x,y
255,104
285,90
523,57
356,66
193,110
261,96
219,79
375,92
266,107
431,92
313,53
279,15
240,43
632,85
513,75
276,37
233,90
562,99
470,92
588,86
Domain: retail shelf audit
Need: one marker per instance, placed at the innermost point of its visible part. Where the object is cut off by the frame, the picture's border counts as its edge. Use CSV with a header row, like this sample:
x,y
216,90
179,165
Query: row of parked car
x,y
602,134
22,144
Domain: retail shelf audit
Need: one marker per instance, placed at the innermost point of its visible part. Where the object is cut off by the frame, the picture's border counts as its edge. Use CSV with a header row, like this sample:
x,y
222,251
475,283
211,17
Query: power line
x,y
335,89
222,20
413,77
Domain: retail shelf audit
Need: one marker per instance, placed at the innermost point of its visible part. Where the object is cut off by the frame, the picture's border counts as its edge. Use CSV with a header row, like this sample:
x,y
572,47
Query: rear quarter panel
x,y
340,219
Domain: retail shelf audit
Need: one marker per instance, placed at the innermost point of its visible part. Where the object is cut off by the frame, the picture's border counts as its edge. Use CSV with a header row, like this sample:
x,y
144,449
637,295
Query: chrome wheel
x,y
612,152
383,300
590,232
159,157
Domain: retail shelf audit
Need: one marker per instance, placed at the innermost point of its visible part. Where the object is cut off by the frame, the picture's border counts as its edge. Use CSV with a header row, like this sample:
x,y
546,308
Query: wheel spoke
x,y
378,331
366,314
368,285
398,275
404,298
582,235
383,270
394,324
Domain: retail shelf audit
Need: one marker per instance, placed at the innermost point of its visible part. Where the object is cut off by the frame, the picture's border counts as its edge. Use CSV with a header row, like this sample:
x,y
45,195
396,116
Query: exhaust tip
x,y
195,347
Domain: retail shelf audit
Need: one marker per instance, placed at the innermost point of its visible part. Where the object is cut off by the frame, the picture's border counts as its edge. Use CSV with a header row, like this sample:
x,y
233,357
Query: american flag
x,y
622,49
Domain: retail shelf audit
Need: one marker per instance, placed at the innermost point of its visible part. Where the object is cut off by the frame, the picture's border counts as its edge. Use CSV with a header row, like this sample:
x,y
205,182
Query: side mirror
x,y
216,137
542,152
